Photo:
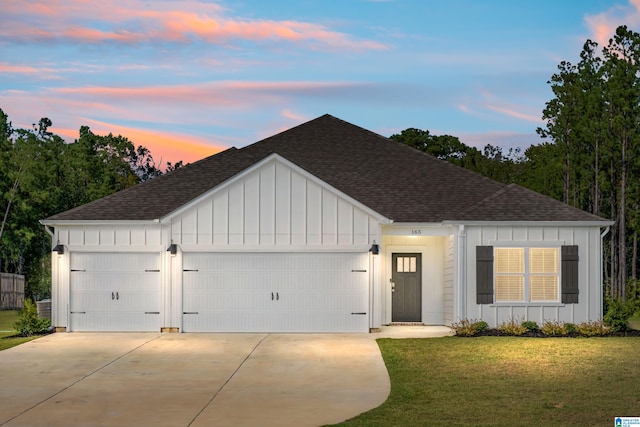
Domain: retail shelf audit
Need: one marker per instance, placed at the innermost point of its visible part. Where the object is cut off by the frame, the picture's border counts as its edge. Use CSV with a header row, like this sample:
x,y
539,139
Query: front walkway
x,y
413,331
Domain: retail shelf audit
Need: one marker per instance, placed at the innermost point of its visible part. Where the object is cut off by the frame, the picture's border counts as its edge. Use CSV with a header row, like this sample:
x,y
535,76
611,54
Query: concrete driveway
x,y
131,379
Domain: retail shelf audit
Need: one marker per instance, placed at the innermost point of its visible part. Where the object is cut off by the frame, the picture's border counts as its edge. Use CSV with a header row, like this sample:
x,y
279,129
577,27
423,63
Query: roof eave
x,y
54,222
603,223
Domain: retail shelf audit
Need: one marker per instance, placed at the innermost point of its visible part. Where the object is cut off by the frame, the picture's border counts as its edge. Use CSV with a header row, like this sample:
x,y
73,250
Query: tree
x,y
491,162
41,175
594,124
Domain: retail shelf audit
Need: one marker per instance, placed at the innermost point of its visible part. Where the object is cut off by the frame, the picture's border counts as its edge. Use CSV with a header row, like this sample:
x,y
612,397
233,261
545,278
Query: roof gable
x,y
273,164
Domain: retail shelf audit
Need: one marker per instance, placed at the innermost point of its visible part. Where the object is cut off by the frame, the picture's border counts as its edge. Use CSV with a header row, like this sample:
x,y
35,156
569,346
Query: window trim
x,y
526,274
569,275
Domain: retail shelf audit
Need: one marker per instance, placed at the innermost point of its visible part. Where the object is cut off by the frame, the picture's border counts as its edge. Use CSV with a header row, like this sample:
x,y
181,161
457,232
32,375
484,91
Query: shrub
x,y
530,325
481,326
553,328
593,329
469,328
570,328
618,313
512,327
29,323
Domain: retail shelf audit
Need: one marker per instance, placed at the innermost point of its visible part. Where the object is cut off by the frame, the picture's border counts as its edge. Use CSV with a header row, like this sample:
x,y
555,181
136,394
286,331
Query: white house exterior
x,y
292,235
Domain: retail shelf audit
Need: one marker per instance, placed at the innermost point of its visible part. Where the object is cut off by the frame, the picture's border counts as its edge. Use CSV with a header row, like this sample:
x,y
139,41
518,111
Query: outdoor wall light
x,y
173,249
374,249
58,248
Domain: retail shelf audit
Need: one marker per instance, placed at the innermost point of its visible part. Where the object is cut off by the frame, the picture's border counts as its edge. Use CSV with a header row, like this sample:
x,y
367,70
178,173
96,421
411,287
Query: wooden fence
x,y
11,291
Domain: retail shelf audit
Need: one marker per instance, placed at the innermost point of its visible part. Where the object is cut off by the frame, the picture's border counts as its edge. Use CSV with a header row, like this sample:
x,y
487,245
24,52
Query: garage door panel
x,y
275,292
115,292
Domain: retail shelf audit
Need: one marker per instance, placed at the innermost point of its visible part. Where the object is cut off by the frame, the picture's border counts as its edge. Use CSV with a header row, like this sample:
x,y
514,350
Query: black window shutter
x,y
484,274
569,280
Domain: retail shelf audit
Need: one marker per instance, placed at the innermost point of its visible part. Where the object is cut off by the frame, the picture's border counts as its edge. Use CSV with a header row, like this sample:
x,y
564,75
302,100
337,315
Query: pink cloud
x,y
221,93
131,21
603,25
17,69
514,113
164,146
490,102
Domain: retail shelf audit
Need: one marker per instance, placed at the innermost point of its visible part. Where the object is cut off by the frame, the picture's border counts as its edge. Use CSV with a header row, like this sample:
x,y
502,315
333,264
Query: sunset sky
x,y
188,78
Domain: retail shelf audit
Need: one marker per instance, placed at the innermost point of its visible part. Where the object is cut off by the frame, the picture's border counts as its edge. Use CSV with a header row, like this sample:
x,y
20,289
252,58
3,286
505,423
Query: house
x,y
325,227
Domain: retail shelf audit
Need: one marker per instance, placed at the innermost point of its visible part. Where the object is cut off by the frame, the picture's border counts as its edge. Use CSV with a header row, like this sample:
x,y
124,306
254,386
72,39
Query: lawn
x,y
8,339
487,381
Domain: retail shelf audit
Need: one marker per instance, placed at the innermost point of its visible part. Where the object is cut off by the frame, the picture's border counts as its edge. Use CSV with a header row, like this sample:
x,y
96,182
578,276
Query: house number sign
x,y
416,232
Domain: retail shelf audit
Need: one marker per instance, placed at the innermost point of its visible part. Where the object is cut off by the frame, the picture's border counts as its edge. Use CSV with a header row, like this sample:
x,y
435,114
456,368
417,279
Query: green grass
x,y
512,381
8,339
8,318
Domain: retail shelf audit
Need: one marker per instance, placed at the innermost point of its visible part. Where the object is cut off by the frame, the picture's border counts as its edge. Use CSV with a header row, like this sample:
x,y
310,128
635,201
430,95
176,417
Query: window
x,y
527,274
406,264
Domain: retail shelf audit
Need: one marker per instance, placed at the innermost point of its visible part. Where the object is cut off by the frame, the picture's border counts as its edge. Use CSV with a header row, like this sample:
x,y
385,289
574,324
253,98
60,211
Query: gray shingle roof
x,y
395,180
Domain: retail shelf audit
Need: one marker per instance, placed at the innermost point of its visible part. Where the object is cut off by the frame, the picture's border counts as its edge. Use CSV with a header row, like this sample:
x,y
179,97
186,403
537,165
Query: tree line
x,y
589,157
41,175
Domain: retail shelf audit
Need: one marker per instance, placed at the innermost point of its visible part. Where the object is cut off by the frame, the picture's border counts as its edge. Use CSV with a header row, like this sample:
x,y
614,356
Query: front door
x,y
406,288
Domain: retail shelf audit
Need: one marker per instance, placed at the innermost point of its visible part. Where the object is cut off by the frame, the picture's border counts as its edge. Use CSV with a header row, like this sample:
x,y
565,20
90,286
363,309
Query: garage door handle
x,y
358,271
189,312
151,312
363,313
277,297
117,295
271,296
78,312
113,296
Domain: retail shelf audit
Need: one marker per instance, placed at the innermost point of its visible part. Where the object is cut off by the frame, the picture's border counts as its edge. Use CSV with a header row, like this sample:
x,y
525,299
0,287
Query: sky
x,y
189,78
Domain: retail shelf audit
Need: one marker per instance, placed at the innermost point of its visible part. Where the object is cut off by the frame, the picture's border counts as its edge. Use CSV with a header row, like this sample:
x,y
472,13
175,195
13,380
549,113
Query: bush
x,y
29,323
570,328
481,326
618,313
593,329
469,328
553,328
530,325
512,327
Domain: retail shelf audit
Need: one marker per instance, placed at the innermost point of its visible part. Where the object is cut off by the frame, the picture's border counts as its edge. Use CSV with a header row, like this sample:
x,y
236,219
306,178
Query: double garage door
x,y
224,292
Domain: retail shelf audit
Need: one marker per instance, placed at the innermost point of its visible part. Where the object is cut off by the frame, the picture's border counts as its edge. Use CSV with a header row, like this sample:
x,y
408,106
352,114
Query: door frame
x,y
418,274
387,271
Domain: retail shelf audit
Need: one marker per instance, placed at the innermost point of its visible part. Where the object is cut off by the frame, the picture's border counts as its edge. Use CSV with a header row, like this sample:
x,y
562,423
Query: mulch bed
x,y
539,334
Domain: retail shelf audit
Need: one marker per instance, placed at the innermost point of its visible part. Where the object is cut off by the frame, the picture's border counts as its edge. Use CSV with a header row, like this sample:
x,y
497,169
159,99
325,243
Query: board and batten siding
x,y
274,206
589,307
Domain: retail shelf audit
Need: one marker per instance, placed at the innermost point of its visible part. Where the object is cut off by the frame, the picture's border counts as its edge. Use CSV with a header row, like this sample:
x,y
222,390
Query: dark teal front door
x,y
406,288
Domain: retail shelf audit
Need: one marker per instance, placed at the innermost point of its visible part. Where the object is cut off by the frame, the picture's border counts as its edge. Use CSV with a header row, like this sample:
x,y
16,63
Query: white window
x,y
406,264
527,274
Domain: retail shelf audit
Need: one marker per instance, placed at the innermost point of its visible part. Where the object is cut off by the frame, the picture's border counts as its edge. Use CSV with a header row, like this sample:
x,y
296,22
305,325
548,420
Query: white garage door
x,y
275,292
115,292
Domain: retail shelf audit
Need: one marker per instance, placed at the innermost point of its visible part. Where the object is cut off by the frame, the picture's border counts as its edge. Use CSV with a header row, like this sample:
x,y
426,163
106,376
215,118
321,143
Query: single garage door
x,y
115,292
275,292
